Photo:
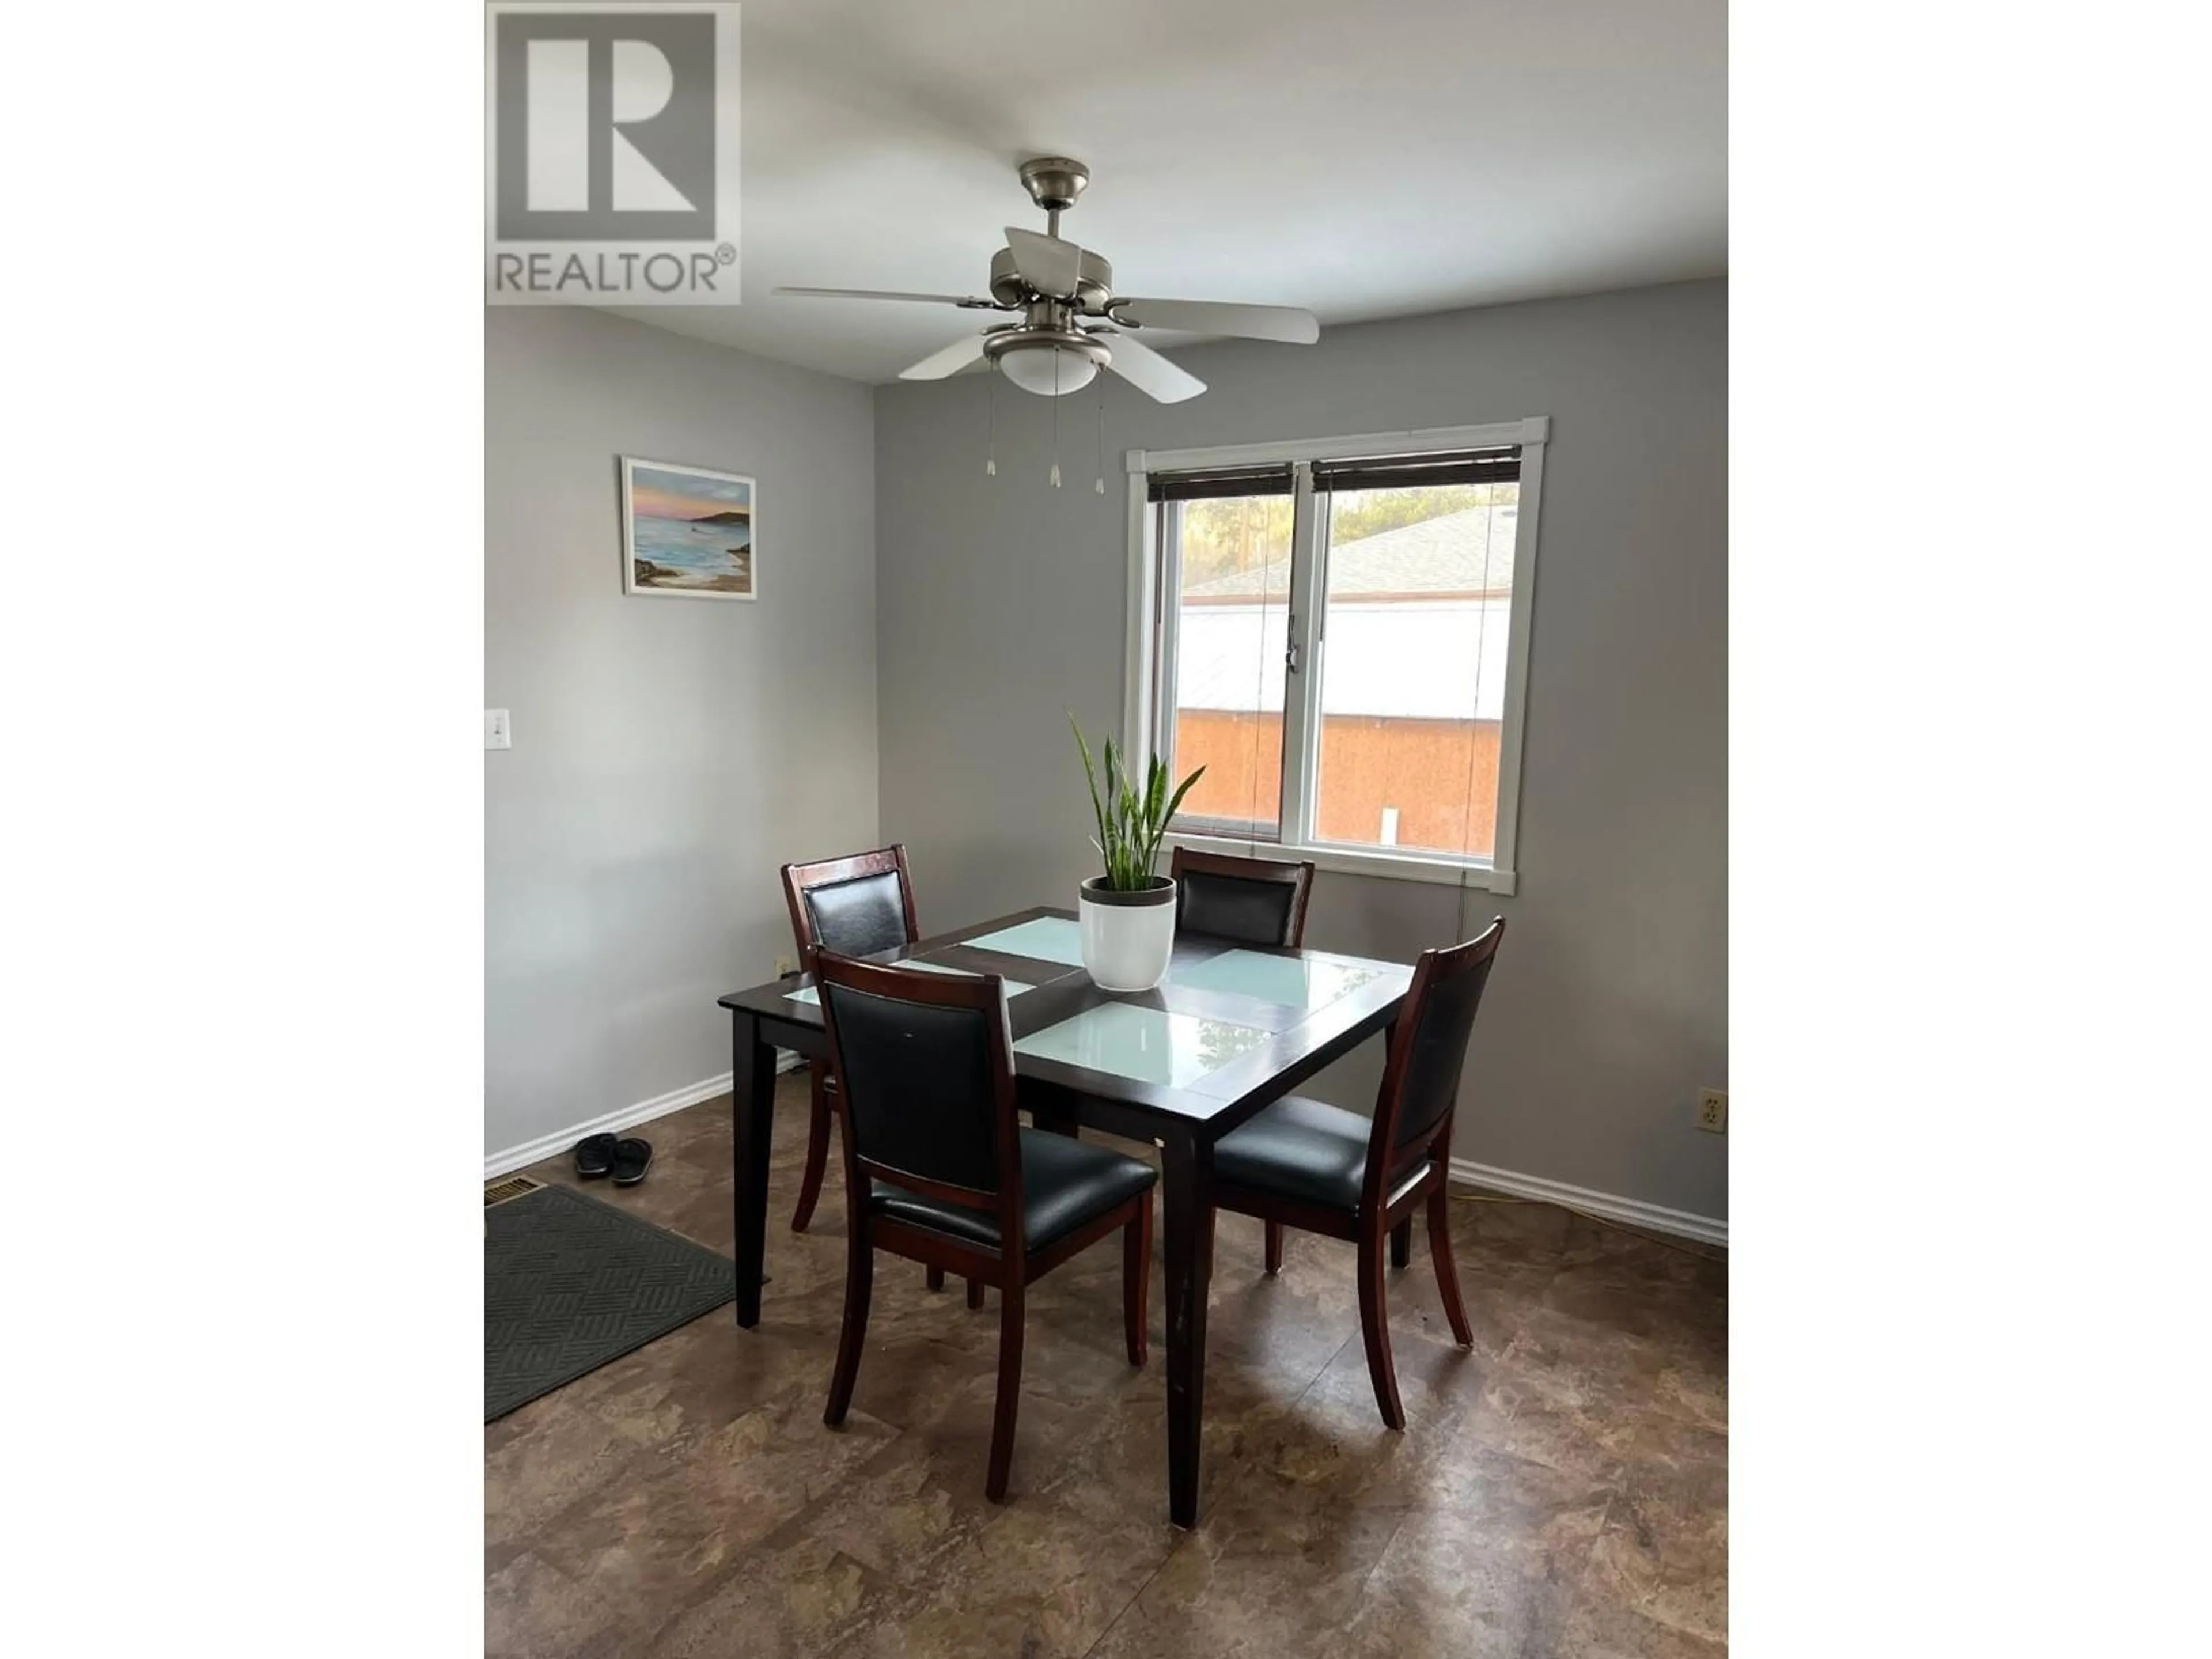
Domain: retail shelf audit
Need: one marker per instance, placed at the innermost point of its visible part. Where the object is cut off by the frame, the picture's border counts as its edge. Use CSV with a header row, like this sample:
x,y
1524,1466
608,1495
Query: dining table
x,y
1231,1029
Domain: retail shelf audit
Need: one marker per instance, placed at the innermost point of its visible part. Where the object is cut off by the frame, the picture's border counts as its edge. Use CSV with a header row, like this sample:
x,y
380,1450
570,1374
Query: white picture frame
x,y
678,524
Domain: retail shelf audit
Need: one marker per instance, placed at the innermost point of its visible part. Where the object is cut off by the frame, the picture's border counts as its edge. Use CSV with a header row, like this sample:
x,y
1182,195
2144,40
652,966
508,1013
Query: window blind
x,y
1420,471
1207,483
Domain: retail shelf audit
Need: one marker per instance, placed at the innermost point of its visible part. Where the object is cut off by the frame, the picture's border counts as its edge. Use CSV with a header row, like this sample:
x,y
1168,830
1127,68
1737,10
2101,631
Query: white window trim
x,y
1495,874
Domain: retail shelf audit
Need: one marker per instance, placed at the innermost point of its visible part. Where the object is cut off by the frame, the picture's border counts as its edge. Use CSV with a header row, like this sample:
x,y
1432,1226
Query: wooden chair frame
x,y
798,879
1298,876
1416,1178
1011,1268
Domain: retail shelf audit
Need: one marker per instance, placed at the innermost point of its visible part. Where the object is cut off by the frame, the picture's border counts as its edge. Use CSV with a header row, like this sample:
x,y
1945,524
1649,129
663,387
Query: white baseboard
x,y
1656,1217
623,1117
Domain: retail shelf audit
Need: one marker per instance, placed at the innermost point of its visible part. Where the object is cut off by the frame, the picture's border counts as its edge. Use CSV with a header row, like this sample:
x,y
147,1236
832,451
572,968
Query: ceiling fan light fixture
x,y
1048,360
1047,370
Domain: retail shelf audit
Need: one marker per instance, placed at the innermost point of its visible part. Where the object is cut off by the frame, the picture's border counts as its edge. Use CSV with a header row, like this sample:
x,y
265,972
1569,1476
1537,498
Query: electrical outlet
x,y
1712,1110
785,966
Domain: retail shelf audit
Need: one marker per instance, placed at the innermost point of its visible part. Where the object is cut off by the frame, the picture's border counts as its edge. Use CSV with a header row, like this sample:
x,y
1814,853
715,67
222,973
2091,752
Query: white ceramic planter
x,y
1127,937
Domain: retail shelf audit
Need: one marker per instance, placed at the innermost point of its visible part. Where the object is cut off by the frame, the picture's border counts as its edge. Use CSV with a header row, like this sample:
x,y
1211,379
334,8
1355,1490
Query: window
x,y
1337,633
1228,539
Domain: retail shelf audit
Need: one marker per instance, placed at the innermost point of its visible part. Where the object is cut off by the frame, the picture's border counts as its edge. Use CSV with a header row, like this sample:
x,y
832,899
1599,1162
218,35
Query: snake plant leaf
x,y
1132,819
1090,777
1174,803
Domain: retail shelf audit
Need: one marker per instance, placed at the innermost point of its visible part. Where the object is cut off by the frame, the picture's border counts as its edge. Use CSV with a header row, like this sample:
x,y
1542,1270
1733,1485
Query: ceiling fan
x,y
1073,323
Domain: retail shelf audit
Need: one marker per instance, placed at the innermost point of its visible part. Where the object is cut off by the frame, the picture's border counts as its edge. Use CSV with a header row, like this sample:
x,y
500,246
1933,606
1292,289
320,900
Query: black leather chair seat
x,y
1302,1149
1064,1183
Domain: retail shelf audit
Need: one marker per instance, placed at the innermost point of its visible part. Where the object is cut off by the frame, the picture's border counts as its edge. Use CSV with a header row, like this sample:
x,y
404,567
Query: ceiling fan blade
x,y
1286,323
970,301
1046,263
1151,374
951,361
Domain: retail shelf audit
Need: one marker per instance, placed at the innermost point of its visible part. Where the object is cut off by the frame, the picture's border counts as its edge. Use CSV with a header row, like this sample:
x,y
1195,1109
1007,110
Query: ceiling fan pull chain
x,y
991,428
1055,418
1101,485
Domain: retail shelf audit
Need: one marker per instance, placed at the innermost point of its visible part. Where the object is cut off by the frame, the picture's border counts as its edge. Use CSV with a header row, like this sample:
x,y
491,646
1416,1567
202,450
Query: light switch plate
x,y
496,734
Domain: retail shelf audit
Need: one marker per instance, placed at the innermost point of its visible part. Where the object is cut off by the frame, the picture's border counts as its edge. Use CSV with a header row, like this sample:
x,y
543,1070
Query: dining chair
x,y
856,906
938,1169
1304,1164
1253,901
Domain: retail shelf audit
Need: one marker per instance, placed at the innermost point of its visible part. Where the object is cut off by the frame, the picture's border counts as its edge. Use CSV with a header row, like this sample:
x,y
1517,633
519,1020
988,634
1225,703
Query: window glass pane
x,y
1230,560
1412,691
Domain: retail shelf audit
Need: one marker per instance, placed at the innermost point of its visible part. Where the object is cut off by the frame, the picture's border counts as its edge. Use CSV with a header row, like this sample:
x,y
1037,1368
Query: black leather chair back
x,y
857,917
1230,907
1450,992
1259,902
920,1095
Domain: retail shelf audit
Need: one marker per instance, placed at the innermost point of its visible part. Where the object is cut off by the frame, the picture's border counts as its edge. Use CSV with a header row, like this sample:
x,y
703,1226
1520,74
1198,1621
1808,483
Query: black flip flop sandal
x,y
595,1156
632,1158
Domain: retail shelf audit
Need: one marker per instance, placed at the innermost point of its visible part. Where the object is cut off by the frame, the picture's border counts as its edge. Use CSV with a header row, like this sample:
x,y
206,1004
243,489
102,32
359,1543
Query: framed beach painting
x,y
687,533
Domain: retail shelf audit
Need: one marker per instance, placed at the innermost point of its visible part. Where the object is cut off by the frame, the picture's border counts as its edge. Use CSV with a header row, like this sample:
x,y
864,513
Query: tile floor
x,y
1560,1490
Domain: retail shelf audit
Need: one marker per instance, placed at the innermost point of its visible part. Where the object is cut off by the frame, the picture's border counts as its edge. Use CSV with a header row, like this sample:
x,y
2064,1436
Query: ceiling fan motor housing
x,y
1094,281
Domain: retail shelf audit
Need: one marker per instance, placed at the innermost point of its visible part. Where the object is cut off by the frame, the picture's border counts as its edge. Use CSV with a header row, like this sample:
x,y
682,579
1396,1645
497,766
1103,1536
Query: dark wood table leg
x,y
752,1111
1054,1120
1187,1200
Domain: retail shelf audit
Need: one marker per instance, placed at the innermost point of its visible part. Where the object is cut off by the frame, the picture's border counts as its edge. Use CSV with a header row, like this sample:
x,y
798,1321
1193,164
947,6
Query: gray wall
x,y
669,754
1001,607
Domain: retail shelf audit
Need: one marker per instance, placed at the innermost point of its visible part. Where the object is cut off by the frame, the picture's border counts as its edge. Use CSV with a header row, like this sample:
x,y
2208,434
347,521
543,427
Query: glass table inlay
x,y
1309,982
1047,939
1148,1044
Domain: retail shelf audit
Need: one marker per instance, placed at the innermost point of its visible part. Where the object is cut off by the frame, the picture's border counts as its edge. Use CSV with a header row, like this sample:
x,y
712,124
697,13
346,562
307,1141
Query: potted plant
x,y
1129,913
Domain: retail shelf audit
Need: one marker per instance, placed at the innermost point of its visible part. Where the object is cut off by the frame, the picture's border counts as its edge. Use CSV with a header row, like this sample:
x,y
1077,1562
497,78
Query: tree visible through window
x,y
1234,600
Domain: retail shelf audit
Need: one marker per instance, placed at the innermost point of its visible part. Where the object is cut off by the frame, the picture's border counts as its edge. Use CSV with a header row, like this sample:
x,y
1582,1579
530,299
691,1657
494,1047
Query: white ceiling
x,y
1362,160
